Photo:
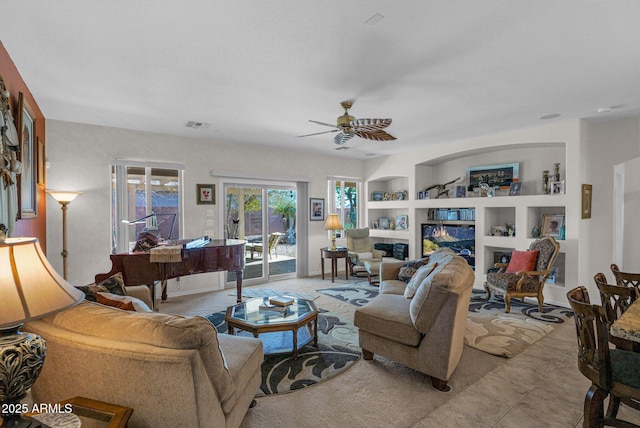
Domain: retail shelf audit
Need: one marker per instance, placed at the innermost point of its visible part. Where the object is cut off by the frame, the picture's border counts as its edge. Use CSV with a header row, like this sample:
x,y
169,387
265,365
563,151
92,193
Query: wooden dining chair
x,y
611,371
615,300
626,279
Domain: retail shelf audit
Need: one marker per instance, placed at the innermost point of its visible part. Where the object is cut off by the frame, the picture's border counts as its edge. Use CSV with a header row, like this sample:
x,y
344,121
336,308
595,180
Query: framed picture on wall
x,y
206,194
27,157
586,200
316,209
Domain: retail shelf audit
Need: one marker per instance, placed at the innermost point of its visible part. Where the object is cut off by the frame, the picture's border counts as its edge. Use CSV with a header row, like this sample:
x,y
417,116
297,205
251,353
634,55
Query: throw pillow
x,y
417,278
409,268
128,303
90,291
522,260
115,284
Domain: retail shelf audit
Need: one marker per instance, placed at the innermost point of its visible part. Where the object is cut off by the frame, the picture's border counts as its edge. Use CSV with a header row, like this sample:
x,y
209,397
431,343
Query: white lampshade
x,y
332,222
29,286
63,196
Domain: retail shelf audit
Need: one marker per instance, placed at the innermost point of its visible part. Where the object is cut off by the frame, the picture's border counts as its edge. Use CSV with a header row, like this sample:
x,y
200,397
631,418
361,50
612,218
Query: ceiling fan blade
x,y
318,133
371,125
342,138
323,123
374,136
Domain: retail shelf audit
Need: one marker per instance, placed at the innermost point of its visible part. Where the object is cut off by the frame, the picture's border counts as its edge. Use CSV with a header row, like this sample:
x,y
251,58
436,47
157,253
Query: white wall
x,y
631,243
79,157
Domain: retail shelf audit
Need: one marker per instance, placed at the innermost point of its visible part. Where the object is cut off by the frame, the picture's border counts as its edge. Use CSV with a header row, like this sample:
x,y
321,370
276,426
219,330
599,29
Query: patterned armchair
x,y
524,283
361,249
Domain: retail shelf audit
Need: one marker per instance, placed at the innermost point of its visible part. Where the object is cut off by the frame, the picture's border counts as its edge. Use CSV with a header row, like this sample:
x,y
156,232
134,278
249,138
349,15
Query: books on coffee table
x,y
281,300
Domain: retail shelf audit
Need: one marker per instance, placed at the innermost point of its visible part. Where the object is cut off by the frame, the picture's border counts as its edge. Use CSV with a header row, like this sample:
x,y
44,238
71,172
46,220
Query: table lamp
x,y
333,223
29,288
64,198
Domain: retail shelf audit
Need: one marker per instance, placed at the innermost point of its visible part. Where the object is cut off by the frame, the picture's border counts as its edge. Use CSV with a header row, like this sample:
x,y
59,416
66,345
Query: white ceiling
x,y
258,70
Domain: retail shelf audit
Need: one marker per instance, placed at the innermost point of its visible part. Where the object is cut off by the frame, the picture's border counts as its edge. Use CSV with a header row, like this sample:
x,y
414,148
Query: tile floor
x,y
541,387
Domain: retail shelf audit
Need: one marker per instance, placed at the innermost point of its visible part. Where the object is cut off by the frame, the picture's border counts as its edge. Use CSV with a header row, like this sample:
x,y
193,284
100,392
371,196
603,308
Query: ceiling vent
x,y
197,125
342,148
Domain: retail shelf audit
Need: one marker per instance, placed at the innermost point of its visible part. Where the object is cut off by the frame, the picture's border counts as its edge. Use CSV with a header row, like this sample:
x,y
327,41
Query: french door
x,y
264,216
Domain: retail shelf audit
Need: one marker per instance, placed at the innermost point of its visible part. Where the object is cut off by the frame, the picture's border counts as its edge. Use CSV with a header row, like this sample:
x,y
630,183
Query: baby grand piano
x,y
186,257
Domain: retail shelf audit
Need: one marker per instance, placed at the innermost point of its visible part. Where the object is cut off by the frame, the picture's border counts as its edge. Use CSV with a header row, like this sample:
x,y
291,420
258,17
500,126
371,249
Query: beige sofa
x,y
173,371
425,332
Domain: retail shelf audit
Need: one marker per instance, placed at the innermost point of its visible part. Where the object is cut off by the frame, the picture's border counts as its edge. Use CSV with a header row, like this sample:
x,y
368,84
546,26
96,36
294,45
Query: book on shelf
x,y
281,300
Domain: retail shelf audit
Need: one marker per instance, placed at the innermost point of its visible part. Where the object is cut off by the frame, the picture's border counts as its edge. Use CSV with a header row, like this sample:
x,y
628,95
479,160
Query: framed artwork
x,y
557,187
586,200
494,175
27,157
206,194
383,223
461,191
551,224
316,209
514,188
377,196
402,222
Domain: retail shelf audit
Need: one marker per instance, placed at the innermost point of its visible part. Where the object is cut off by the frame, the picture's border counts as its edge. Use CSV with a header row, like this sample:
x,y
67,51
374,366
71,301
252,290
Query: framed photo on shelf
x,y
586,200
402,222
377,196
374,225
557,187
383,223
494,175
316,209
461,191
514,188
551,224
206,194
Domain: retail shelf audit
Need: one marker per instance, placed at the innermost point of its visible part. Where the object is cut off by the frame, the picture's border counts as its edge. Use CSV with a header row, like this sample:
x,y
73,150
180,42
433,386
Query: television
x,y
461,238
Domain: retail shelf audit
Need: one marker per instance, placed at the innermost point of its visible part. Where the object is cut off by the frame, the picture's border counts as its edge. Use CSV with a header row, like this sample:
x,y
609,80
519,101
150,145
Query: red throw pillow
x,y
522,260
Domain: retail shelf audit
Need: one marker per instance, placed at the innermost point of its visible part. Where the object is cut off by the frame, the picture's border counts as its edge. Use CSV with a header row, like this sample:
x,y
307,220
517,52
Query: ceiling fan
x,y
348,126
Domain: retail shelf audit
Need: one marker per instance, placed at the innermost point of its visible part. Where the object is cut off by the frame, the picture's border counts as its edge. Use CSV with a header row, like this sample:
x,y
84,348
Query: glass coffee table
x,y
253,317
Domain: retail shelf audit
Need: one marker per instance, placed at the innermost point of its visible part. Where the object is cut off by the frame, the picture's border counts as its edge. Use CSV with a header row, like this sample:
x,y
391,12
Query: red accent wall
x,y
33,226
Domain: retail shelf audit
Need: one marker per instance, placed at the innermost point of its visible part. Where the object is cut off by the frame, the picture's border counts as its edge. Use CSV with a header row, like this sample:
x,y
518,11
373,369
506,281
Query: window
x,y
344,200
150,193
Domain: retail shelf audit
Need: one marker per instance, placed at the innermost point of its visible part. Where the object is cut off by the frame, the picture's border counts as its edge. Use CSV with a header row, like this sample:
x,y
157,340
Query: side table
x,y
334,255
92,413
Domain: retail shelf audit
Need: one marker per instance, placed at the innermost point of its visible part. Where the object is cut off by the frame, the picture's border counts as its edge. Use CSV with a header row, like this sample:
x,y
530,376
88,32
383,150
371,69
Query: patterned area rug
x,y
337,351
489,328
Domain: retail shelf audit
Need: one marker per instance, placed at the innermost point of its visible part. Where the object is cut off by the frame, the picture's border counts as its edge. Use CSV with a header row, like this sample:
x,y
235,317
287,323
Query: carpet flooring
x,y
489,328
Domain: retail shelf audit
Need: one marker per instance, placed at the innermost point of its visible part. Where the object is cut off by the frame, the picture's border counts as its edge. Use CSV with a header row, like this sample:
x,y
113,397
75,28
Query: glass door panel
x,y
269,228
244,220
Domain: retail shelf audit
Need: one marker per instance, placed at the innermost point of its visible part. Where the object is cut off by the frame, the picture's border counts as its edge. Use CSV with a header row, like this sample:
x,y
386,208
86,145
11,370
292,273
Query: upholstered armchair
x,y
526,273
361,249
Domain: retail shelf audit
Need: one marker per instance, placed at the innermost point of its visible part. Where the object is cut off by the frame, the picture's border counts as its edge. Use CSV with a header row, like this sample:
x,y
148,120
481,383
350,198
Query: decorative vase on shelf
x,y
556,172
562,234
546,183
535,232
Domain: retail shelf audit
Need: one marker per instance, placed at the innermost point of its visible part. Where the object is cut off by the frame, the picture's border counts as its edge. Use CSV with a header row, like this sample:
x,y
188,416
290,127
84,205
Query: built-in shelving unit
x,y
518,214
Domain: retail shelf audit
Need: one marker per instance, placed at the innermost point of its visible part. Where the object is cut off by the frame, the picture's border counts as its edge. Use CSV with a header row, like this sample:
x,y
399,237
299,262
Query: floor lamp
x,y
64,198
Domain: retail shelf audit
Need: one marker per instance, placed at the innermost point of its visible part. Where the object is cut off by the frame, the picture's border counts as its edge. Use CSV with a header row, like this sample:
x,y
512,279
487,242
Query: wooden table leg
x,y
334,269
346,267
322,264
295,343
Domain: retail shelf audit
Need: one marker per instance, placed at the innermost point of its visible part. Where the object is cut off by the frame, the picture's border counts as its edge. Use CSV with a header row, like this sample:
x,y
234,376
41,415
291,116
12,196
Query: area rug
x,y
489,328
337,351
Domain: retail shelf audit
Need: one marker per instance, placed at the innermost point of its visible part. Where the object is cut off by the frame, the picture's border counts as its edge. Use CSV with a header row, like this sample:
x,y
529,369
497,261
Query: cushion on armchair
x,y
522,261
